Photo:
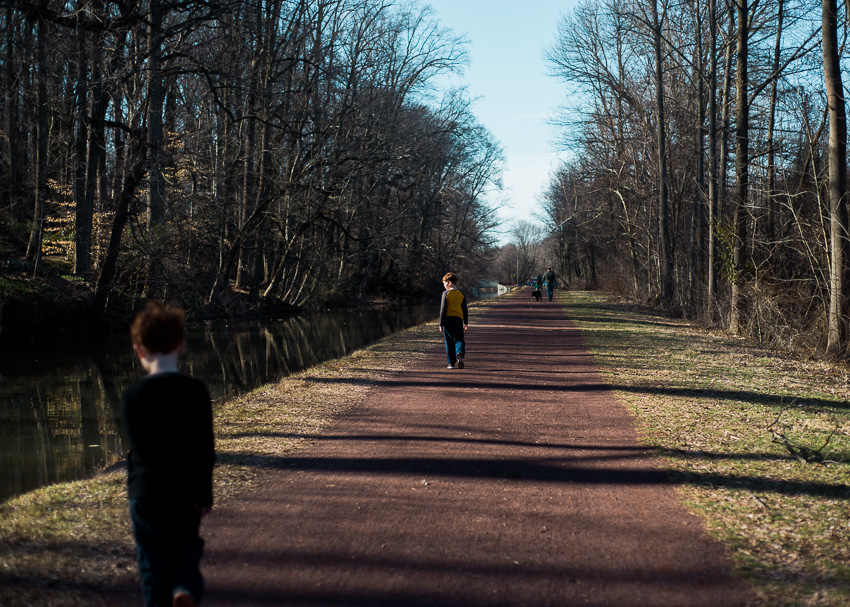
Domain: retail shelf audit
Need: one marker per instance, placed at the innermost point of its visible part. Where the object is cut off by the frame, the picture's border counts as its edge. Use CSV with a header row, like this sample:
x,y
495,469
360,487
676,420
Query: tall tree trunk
x,y
265,172
118,143
248,186
712,161
770,228
11,99
37,231
698,216
153,119
226,161
82,214
837,152
96,148
726,104
96,154
742,169
665,253
156,183
131,181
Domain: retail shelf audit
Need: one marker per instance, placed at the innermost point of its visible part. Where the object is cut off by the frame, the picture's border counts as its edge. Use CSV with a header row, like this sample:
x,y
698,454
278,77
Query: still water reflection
x,y
60,410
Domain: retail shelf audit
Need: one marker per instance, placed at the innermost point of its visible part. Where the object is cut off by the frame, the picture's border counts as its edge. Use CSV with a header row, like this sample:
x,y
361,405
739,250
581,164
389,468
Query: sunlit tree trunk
x,y
770,228
712,161
90,149
837,152
664,246
131,182
725,105
95,164
742,168
698,214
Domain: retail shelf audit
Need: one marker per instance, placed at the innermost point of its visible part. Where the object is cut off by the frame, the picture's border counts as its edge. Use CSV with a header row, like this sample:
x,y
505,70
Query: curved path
x,y
516,481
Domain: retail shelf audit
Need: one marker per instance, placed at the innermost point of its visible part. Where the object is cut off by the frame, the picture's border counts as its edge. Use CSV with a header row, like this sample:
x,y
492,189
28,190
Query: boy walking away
x,y
453,321
168,421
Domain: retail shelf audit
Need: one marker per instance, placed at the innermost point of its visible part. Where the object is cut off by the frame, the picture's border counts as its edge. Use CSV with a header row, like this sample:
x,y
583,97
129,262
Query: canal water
x,y
60,409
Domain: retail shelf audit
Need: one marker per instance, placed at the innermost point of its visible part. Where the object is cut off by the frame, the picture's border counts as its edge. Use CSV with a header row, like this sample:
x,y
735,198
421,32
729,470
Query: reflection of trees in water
x,y
267,352
63,421
60,427
43,437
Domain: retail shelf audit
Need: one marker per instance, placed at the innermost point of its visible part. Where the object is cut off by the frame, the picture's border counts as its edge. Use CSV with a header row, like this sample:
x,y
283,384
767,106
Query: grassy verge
x,y
760,441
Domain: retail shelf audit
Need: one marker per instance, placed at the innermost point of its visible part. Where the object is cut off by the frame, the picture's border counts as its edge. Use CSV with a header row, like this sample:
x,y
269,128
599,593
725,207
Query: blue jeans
x,y
453,334
549,290
168,550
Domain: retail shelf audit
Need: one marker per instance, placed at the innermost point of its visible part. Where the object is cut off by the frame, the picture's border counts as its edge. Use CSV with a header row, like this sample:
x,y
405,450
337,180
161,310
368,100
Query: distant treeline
x,y
710,171
294,150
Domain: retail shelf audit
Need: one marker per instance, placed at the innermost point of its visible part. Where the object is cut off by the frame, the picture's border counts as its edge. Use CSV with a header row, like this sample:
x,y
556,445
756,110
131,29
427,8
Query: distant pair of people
x,y
548,280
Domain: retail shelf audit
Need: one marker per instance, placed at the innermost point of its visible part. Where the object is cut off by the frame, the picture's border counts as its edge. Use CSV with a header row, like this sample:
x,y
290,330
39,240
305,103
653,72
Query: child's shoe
x,y
182,598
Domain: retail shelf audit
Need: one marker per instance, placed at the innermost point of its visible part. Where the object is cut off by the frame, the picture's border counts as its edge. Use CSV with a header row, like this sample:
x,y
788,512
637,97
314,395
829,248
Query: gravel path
x,y
515,481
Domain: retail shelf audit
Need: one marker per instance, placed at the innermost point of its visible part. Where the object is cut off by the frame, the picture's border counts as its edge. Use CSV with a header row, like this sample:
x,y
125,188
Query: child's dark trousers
x,y
453,334
168,548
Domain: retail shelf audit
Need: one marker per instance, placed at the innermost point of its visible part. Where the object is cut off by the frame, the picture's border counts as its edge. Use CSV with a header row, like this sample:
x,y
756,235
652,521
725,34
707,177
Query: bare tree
x,y
40,209
665,254
745,70
742,166
297,150
837,174
528,237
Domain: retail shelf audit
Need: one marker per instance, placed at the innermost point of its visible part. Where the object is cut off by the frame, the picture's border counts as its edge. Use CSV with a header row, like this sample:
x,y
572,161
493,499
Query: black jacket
x,y
168,420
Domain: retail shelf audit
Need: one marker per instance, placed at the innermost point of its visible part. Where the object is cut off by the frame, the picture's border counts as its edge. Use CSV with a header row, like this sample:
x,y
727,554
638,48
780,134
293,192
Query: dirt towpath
x,y
515,481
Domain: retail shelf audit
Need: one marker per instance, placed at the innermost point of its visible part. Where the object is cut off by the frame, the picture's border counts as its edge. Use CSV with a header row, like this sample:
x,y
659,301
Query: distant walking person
x,y
549,280
454,319
168,418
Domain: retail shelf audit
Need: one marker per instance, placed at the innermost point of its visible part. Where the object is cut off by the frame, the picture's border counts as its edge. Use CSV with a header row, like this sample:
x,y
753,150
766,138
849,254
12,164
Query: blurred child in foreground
x,y
168,422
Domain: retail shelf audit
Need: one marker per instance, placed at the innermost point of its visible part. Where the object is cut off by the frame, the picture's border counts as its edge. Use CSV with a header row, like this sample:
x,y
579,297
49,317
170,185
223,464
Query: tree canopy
x,y
295,150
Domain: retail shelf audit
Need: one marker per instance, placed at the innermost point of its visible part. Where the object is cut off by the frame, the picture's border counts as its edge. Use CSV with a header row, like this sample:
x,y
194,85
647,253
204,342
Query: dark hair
x,y
159,328
450,278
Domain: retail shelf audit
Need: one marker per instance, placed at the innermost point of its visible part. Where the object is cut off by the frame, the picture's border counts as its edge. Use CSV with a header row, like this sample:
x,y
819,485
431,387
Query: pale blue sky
x,y
516,95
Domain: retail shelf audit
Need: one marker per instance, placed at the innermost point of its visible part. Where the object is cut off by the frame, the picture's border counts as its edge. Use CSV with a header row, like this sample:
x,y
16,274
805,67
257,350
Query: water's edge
x,y
60,408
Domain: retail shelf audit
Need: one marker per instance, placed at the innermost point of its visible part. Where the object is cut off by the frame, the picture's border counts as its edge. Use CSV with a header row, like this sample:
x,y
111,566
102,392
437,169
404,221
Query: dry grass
x,y
760,441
